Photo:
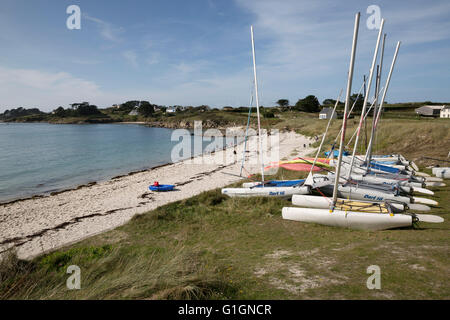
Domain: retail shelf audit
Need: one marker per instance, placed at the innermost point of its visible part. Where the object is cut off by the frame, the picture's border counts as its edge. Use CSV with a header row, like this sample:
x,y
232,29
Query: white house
x,y
326,113
171,109
429,111
445,112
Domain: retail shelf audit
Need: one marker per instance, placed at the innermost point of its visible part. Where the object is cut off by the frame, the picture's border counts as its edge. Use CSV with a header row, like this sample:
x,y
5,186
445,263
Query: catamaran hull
x,y
365,194
277,192
308,201
348,219
442,172
274,183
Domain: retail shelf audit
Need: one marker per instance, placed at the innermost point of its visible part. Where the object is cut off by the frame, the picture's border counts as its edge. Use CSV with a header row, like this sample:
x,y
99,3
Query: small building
x,y
326,113
171,109
227,108
429,111
135,112
445,112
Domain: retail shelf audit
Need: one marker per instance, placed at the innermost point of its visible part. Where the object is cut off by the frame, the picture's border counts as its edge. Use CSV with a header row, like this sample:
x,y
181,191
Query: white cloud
x,y
107,30
36,88
154,58
308,43
131,57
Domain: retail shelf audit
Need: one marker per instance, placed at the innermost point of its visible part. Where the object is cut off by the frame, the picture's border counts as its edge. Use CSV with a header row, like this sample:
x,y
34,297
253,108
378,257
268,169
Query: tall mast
x,y
347,100
368,156
257,105
366,97
388,80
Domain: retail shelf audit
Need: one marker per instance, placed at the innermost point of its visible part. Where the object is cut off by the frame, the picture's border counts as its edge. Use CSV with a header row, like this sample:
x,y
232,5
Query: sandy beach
x,y
39,225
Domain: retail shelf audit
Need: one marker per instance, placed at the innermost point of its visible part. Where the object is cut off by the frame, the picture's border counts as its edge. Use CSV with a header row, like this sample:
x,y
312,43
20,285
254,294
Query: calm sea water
x,y
37,158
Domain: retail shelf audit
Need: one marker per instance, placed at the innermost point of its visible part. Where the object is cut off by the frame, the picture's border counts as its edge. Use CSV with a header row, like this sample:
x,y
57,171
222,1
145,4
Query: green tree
x,y
146,109
328,102
283,103
308,104
60,112
88,110
359,101
268,114
128,106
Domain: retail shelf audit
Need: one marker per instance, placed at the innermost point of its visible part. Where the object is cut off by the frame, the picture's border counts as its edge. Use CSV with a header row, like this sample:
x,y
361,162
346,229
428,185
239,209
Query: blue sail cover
x,y
278,183
384,168
384,162
336,153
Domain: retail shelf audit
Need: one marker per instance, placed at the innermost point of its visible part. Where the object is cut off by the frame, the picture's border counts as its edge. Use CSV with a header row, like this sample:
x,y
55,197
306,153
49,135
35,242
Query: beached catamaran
x,y
370,215
265,188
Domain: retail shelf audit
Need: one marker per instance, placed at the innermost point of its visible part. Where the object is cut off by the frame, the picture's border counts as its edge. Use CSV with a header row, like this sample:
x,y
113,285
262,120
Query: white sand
x,y
39,225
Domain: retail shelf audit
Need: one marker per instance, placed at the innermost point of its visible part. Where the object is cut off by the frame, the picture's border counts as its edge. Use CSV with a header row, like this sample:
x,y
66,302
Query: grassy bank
x,y
413,138
214,247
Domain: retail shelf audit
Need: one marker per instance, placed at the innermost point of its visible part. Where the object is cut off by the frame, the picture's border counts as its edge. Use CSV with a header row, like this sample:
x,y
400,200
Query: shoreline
x,y
91,183
38,225
64,189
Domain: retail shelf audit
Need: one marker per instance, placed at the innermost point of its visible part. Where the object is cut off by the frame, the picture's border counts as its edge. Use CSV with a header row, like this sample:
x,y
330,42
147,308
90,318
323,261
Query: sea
x,y
40,158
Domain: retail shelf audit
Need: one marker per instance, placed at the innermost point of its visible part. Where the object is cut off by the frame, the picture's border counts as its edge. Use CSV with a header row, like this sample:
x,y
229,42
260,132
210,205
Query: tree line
x,y
311,104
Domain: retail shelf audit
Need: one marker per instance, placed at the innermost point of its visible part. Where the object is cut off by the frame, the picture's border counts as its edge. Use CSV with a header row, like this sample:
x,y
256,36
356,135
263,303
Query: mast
x,y
368,156
246,134
347,100
366,97
388,80
257,105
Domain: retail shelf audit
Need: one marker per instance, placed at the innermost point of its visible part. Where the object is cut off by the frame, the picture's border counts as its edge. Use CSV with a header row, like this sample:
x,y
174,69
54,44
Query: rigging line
x,y
330,155
325,133
351,109
366,114
246,132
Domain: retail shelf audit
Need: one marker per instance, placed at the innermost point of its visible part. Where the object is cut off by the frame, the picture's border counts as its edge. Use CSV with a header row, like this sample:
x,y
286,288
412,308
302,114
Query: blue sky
x,y
199,51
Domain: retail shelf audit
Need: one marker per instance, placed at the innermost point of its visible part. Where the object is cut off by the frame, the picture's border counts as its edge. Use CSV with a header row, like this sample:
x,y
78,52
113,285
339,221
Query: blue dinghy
x,y
162,187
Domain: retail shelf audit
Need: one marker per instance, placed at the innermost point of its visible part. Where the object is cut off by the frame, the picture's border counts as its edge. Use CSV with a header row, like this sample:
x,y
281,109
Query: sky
x,y
178,52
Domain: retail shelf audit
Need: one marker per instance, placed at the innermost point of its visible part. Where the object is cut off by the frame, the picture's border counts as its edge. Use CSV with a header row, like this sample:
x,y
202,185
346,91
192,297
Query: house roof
x,y
434,107
326,110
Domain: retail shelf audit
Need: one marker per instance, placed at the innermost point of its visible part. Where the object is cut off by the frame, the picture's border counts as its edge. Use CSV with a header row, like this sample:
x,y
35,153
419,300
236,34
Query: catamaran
x,y
352,214
265,189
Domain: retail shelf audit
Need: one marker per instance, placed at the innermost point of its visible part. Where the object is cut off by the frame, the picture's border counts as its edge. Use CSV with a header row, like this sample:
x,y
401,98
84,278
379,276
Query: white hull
x,y
441,172
308,201
280,192
254,184
430,218
422,190
425,201
433,179
348,219
388,181
367,194
435,184
418,207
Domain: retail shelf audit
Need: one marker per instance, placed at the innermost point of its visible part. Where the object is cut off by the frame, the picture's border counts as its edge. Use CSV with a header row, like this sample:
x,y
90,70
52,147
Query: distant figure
x,y
304,146
156,184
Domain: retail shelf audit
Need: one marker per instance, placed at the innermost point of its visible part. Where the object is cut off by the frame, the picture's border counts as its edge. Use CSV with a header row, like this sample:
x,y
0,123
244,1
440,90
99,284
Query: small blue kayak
x,y
162,187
